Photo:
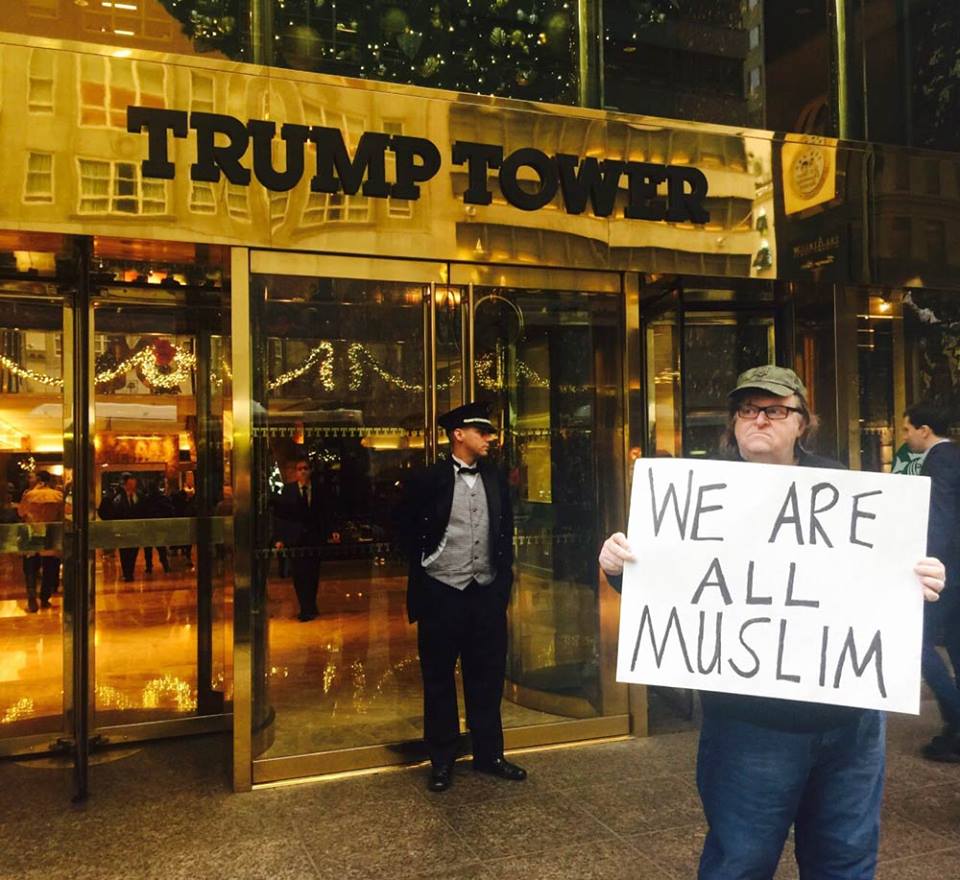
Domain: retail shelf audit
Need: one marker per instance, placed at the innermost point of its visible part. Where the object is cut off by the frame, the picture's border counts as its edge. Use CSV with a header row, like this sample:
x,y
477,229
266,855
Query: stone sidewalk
x,y
625,810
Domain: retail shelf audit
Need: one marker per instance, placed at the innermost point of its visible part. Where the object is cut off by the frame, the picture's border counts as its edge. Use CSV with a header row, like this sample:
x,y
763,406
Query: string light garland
x,y
23,708
146,360
32,375
180,691
325,372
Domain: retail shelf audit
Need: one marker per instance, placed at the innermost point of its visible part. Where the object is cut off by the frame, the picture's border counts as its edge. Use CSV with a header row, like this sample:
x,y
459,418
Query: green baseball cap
x,y
780,381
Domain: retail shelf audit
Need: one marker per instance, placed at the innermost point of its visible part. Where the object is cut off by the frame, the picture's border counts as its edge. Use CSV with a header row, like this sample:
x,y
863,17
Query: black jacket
x,y
296,523
423,515
942,465
119,507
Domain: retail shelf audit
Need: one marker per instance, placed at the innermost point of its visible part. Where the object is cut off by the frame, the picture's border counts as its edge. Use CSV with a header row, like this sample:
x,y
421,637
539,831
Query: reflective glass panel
x,y
163,565
32,489
338,419
550,360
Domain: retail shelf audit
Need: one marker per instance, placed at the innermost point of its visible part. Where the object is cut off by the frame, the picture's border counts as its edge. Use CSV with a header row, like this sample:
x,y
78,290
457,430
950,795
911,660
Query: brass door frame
x,y
64,536
113,534
618,702
249,772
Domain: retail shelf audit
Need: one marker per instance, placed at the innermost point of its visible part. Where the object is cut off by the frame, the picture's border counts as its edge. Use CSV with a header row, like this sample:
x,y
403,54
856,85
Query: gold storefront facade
x,y
199,324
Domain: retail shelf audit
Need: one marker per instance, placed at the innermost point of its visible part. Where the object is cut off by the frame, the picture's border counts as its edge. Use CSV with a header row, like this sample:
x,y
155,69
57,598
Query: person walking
x,y
926,429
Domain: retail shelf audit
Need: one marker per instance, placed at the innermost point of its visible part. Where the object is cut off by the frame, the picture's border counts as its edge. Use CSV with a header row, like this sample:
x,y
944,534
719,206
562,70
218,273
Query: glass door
x,y
344,387
697,338
548,352
351,362
36,705
159,493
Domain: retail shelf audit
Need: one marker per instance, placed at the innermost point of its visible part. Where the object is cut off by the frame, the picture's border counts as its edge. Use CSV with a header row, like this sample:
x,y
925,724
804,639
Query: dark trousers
x,y
47,568
148,558
470,624
755,783
306,578
941,625
128,561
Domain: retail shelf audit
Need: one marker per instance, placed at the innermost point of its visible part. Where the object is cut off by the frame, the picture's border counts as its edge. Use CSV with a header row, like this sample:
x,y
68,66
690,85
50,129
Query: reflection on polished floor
x,y
352,676
144,644
349,678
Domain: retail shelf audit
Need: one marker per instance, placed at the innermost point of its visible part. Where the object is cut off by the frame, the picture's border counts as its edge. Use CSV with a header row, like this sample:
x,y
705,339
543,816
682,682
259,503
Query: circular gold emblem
x,y
808,171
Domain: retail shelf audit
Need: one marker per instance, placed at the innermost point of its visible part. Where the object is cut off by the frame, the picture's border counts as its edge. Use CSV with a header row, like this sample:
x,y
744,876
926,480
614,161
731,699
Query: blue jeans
x,y
756,782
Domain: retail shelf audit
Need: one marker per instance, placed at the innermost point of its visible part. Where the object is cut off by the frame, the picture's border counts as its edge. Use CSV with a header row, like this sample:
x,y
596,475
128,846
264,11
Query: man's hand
x,y
614,552
932,576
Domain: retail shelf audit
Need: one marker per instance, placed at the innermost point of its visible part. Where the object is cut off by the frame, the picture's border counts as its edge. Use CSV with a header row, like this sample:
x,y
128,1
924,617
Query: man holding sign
x,y
780,593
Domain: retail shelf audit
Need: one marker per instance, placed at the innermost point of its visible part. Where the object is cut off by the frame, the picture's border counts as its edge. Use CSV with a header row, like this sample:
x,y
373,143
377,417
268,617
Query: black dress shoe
x,y
441,776
305,616
503,768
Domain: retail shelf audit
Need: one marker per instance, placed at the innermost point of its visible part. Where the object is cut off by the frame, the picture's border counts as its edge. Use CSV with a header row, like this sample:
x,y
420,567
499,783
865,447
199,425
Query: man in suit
x,y
457,526
926,429
128,503
300,527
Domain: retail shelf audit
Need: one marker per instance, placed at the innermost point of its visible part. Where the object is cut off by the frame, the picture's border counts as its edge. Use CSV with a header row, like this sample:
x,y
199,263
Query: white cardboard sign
x,y
775,581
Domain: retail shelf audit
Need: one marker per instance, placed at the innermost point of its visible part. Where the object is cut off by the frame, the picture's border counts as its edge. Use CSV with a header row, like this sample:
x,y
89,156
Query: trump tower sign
x,y
775,581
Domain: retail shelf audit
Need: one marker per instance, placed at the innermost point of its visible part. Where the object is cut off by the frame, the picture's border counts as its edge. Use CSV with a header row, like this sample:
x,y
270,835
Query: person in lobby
x,y
300,526
128,503
456,523
926,429
764,764
42,504
157,505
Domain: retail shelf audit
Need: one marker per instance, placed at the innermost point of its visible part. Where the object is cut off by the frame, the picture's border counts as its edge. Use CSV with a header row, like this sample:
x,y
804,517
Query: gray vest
x,y
465,553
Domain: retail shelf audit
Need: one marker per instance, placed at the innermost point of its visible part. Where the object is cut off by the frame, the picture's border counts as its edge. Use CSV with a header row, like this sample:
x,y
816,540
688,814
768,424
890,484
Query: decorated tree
x,y
512,48
213,25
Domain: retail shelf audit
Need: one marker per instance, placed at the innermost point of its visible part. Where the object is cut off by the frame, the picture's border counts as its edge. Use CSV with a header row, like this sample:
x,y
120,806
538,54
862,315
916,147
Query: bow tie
x,y
467,471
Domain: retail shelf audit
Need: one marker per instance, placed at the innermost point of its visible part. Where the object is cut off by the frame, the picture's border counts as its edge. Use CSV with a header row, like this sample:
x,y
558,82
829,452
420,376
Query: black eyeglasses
x,y
775,412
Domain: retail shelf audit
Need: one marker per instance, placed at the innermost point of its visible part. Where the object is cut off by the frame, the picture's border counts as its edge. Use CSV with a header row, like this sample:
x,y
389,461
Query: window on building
x,y
38,183
143,21
43,8
338,207
203,198
202,92
936,235
117,188
399,209
238,201
109,85
901,172
931,175
40,82
901,238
